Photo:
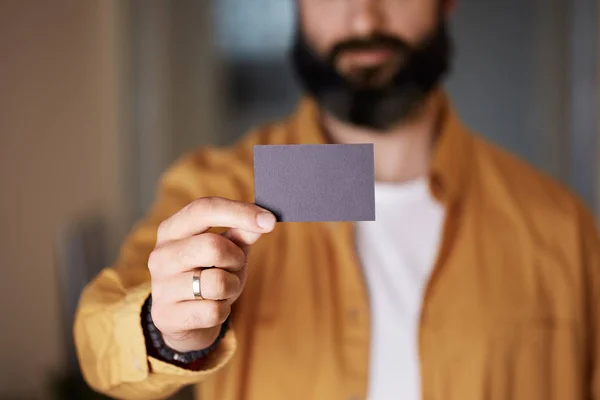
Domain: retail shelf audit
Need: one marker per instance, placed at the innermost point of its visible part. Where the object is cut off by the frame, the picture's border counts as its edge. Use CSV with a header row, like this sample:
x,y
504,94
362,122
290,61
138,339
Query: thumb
x,y
244,239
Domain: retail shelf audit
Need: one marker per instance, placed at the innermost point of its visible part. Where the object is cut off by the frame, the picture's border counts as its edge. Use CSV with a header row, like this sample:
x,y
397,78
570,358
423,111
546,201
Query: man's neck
x,y
402,153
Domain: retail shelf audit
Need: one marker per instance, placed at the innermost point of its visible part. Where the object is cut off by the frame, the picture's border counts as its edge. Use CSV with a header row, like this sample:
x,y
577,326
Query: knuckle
x,y
159,318
192,207
212,241
215,247
210,203
162,230
240,257
215,313
211,313
154,261
202,205
225,308
160,293
192,321
185,252
220,283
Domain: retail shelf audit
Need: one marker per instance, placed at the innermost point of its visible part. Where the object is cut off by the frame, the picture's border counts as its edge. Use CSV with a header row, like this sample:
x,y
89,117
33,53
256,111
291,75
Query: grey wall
x,y
493,82
584,103
527,76
175,92
222,69
507,81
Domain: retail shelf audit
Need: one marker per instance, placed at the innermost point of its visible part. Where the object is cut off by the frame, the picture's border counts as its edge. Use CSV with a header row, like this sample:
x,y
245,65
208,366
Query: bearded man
x,y
480,278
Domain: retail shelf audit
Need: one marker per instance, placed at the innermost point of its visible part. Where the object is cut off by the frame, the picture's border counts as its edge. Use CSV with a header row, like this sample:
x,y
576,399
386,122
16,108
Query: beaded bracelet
x,y
155,341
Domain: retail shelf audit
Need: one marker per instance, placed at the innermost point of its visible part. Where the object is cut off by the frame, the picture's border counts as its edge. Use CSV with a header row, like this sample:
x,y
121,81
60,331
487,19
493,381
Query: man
x,y
479,280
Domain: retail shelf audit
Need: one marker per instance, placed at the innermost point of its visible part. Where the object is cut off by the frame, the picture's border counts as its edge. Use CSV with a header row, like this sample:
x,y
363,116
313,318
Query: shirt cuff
x,y
136,365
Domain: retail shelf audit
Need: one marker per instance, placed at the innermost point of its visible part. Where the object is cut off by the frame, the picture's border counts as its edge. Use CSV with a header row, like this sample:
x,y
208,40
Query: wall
x,y
61,155
176,81
583,106
597,166
525,76
508,77
195,77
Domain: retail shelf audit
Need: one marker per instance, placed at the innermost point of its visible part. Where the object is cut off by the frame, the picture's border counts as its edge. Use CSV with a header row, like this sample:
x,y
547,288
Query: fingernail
x,y
266,220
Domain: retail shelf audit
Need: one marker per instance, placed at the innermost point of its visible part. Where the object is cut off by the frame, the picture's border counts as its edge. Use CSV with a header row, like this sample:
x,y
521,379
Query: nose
x,y
366,17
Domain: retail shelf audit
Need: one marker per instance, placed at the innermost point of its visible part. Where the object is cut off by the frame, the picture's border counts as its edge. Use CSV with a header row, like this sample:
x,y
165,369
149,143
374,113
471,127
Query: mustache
x,y
377,41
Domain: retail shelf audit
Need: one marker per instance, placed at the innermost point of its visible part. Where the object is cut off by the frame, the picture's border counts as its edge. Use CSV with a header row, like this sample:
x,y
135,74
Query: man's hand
x,y
183,246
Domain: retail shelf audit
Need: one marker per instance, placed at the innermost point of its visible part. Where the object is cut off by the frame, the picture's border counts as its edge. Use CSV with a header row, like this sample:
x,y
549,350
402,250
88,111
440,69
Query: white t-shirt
x,y
397,253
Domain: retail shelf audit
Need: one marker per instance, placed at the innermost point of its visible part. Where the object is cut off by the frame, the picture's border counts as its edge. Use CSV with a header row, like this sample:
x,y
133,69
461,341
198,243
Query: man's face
x,y
371,62
367,41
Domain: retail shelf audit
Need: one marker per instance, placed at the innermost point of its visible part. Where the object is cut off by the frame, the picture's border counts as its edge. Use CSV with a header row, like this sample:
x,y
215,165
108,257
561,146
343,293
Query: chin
x,y
373,78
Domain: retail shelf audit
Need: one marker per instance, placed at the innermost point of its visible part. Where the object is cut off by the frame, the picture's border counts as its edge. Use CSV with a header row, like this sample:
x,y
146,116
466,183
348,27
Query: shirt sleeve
x,y
108,331
591,258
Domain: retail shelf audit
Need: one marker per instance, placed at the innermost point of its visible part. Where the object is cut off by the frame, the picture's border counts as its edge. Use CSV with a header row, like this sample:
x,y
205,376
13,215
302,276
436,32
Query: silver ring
x,y
196,285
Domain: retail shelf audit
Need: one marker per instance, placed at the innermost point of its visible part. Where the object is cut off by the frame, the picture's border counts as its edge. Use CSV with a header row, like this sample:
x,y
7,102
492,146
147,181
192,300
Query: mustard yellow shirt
x,y
510,312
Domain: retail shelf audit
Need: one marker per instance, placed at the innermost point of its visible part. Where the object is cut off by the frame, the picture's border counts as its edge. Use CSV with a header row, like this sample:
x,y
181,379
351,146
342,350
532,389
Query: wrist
x,y
157,347
208,337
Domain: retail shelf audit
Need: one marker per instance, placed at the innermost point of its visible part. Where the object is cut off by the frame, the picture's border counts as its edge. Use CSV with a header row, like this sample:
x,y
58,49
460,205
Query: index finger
x,y
207,212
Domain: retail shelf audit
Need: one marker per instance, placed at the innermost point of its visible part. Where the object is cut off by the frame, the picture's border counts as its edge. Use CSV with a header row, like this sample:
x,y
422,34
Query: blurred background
x,y
98,97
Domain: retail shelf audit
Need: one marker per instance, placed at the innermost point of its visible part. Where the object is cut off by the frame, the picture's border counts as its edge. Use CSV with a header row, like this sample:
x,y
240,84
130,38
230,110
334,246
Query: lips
x,y
373,56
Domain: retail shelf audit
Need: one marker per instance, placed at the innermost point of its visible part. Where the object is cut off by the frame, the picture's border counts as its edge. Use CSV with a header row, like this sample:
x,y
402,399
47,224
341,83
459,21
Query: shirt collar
x,y
451,158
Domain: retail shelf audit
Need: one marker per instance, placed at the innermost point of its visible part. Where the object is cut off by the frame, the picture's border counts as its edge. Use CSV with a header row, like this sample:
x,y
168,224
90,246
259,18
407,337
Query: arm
x,y
591,258
108,331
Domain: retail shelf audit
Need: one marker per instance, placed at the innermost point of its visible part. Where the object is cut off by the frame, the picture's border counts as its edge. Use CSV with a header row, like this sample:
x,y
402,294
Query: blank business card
x,y
315,183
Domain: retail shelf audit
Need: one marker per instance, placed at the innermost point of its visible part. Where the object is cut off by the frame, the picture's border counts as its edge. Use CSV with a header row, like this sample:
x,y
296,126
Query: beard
x,y
366,96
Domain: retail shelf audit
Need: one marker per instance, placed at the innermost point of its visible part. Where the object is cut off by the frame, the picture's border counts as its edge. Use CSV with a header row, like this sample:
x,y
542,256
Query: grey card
x,y
316,182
